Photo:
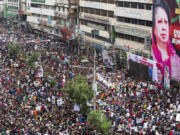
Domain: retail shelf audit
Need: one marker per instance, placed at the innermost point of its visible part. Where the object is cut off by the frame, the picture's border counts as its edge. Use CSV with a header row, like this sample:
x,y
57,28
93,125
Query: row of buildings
x,y
123,24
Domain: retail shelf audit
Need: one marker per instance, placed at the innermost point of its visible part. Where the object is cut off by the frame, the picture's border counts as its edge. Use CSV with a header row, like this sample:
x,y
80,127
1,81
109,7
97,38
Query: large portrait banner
x,y
166,36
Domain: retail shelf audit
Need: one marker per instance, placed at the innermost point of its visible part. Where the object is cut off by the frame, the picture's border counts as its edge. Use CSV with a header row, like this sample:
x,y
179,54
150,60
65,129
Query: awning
x,y
29,14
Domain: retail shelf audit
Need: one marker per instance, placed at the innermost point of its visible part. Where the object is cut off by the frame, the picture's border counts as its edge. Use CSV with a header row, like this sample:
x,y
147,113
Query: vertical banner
x,y
112,34
40,73
166,78
49,20
166,36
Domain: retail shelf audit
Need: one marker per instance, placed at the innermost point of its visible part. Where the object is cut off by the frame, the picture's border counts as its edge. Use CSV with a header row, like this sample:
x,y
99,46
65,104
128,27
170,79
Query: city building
x,y
41,16
11,8
96,21
1,8
22,10
66,19
133,26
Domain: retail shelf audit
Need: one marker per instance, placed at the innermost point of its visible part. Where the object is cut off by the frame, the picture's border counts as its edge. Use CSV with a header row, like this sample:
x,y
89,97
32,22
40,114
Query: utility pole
x,y
94,74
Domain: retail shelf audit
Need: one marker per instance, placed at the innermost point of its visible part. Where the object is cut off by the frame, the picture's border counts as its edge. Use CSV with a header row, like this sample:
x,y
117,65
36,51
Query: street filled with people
x,y
30,106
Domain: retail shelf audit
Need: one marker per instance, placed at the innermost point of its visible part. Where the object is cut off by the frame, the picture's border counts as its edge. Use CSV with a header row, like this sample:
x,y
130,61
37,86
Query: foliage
x,y
14,48
79,91
24,56
99,121
33,58
53,83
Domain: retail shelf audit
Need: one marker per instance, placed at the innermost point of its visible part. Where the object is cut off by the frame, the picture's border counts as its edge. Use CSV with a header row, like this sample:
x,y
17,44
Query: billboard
x,y
143,68
166,36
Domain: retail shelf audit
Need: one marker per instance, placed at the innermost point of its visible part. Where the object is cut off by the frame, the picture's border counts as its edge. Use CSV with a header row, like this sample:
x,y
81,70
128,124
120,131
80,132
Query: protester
x,y
29,105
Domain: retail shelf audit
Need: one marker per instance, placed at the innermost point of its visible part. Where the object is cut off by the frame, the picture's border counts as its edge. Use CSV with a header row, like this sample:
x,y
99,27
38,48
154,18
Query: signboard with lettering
x,y
95,18
132,31
40,1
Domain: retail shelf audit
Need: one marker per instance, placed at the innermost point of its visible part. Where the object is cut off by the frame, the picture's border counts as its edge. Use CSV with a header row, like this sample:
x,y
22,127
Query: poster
x,y
166,78
166,36
40,72
144,61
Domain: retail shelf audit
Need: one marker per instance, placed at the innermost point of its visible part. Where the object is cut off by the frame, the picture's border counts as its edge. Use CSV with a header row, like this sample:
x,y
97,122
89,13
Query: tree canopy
x,y
99,121
79,91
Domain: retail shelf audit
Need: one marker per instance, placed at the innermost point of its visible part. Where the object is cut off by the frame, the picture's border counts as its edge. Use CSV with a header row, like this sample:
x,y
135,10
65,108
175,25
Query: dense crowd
x,y
29,105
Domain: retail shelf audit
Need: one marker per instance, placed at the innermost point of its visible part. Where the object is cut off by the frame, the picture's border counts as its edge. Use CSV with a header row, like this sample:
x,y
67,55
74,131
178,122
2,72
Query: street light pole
x,y
94,77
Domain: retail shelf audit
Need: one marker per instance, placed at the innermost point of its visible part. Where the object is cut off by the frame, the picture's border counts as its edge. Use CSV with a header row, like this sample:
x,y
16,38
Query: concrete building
x,y
22,10
11,8
66,18
1,8
96,19
133,25
41,16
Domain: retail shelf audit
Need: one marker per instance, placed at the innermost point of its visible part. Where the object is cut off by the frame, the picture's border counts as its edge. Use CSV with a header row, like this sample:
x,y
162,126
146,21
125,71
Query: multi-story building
x,y
22,10
66,18
1,8
133,25
96,21
11,8
42,18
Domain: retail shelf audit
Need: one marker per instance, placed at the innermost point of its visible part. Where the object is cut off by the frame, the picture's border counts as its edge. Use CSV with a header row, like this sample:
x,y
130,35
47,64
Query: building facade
x,y
96,19
133,25
11,8
1,8
66,19
41,16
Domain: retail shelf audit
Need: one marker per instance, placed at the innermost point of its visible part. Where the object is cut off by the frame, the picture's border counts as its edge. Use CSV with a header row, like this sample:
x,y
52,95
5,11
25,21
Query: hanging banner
x,y
166,36
144,61
40,73
166,78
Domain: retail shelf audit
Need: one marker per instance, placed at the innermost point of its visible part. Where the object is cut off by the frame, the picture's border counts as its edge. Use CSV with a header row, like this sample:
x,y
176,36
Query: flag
x,y
106,58
18,90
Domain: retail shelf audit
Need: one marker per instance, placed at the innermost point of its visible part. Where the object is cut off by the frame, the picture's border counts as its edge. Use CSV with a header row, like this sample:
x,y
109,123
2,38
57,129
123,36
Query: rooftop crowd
x,y
29,106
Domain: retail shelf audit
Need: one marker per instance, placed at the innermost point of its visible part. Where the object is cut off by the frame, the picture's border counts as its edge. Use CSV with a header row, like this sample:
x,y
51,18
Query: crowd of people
x,y
30,106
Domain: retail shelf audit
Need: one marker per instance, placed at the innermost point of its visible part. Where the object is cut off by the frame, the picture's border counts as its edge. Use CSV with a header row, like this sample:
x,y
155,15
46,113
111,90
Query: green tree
x,y
99,121
53,83
33,58
79,91
14,49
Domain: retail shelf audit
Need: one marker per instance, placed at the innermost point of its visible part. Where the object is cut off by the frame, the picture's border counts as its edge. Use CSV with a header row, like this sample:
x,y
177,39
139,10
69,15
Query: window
x,y
133,5
97,12
104,1
103,12
82,9
134,21
121,19
86,10
92,11
141,40
127,4
141,22
127,20
111,1
120,3
89,10
35,5
141,5
148,6
149,23
111,14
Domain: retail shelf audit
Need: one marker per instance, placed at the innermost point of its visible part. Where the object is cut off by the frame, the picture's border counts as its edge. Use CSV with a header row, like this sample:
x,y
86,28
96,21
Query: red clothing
x,y
170,132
